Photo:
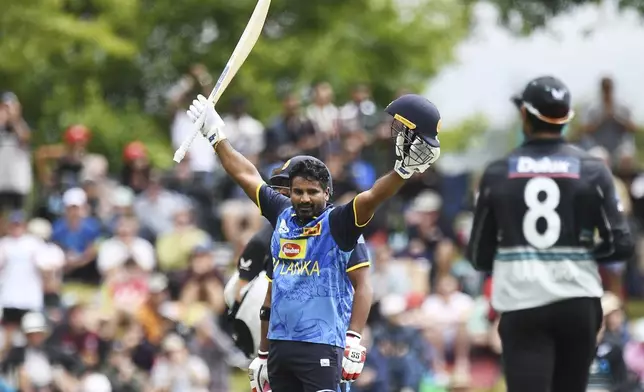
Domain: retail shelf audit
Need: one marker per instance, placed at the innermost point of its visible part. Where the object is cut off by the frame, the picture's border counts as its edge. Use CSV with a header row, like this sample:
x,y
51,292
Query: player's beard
x,y
306,211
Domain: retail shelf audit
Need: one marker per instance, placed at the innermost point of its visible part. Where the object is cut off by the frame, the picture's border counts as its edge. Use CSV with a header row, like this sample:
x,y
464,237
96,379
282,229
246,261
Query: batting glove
x,y
212,128
408,161
354,357
258,373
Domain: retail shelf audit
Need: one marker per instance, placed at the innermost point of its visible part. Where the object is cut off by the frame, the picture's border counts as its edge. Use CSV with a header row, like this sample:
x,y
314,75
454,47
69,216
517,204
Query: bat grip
x,y
185,146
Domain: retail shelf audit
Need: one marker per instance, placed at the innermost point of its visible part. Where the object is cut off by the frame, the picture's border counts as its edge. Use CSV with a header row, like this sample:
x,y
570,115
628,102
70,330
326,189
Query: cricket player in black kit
x,y
537,213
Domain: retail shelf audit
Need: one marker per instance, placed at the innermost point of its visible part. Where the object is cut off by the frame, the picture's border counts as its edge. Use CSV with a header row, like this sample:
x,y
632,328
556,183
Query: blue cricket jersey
x,y
312,295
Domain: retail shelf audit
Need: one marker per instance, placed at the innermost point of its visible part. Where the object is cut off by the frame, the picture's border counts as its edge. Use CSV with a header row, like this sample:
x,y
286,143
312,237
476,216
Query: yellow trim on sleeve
x,y
358,266
259,187
355,215
269,279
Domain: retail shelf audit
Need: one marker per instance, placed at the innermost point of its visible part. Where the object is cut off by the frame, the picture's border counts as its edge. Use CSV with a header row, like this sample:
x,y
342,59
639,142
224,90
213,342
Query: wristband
x,y
354,335
262,354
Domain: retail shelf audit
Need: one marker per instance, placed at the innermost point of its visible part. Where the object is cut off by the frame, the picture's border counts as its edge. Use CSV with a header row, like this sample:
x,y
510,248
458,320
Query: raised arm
x,y
240,169
366,203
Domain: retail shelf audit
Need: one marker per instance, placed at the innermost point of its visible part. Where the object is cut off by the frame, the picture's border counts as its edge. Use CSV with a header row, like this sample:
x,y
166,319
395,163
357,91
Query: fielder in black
x,y
537,214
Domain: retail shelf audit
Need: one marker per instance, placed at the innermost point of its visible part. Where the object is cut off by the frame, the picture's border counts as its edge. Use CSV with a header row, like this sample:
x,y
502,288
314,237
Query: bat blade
x,y
243,48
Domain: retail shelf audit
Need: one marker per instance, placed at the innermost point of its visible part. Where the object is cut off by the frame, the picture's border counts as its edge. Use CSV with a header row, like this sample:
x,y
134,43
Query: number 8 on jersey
x,y
544,209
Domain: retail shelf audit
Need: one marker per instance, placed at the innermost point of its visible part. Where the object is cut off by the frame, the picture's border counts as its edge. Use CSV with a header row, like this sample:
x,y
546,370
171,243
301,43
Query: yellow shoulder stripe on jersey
x,y
405,122
259,188
355,215
358,266
269,279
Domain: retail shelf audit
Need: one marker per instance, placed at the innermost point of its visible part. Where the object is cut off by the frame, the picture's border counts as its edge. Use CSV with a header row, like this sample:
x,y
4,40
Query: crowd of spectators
x,y
113,280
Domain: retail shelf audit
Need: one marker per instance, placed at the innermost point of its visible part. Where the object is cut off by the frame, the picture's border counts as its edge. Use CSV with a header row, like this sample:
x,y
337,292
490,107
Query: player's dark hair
x,y
312,171
539,126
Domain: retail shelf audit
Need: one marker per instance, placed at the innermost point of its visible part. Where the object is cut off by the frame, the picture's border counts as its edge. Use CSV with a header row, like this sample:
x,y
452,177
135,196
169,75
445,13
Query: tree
x,y
109,63
535,13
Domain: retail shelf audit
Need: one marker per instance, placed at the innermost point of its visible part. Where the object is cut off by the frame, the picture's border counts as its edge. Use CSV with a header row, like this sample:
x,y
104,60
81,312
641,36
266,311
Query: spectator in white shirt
x,y
21,290
244,132
115,251
446,314
322,112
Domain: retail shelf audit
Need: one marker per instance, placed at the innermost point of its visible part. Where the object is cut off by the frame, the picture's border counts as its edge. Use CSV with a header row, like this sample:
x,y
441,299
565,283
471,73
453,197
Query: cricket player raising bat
x,y
316,304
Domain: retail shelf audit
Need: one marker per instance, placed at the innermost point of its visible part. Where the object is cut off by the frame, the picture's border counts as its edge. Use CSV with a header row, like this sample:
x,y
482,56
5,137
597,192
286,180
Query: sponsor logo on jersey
x,y
292,249
312,231
561,167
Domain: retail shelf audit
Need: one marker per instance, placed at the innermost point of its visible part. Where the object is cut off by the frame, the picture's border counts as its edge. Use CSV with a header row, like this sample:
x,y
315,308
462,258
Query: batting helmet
x,y
416,118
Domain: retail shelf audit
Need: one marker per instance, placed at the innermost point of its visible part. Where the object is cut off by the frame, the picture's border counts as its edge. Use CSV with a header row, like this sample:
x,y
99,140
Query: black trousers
x,y
550,348
304,367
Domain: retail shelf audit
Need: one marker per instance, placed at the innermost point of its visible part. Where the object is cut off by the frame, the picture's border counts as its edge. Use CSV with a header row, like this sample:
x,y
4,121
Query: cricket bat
x,y
242,50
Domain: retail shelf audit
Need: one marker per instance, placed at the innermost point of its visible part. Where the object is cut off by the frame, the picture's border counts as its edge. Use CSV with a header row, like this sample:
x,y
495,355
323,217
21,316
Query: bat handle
x,y
185,146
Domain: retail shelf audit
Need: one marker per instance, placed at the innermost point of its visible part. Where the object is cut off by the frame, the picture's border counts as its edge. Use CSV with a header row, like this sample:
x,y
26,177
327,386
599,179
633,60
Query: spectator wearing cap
x,y
136,167
15,160
614,318
21,290
78,234
34,365
67,159
202,282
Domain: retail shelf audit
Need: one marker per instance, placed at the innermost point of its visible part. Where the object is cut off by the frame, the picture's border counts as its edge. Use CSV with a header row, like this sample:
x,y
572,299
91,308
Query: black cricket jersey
x,y
256,254
537,213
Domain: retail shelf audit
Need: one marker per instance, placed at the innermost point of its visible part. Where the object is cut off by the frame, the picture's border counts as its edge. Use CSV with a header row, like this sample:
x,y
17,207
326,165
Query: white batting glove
x,y
213,125
354,357
258,373
409,163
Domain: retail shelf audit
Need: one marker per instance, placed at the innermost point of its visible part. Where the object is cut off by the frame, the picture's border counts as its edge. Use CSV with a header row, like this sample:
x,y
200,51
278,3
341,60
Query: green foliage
x,y
110,62
536,13
460,137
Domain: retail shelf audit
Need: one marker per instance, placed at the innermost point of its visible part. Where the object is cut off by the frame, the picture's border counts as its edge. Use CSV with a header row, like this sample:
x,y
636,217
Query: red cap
x,y
77,133
134,150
